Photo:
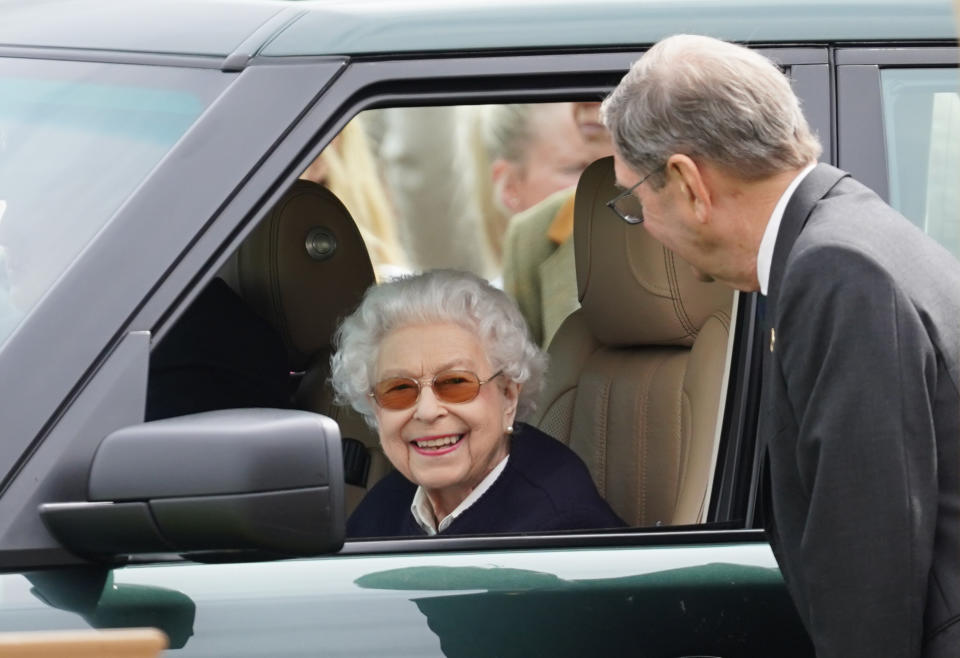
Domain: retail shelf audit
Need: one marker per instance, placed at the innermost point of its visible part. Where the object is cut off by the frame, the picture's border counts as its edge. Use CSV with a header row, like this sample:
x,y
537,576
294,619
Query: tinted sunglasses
x,y
450,386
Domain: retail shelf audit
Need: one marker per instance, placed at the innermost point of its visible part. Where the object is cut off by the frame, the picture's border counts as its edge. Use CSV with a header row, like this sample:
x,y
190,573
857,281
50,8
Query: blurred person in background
x,y
456,175
538,264
421,152
530,151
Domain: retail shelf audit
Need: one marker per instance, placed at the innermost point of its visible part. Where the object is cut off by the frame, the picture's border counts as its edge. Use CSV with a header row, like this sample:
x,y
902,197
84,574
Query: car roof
x,y
219,28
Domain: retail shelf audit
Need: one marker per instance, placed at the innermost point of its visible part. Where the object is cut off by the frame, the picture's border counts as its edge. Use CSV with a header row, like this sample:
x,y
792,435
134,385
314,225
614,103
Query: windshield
x,y
76,138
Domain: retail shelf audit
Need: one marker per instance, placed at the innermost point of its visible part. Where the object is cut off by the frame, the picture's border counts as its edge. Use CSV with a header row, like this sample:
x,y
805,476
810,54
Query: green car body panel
x,y
643,593
648,601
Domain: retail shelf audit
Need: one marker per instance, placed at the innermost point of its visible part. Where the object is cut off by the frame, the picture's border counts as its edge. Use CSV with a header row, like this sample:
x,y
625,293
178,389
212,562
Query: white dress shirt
x,y
423,512
769,240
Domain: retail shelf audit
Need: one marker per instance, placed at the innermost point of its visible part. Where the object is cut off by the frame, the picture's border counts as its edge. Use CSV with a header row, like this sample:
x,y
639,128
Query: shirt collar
x,y
423,512
769,240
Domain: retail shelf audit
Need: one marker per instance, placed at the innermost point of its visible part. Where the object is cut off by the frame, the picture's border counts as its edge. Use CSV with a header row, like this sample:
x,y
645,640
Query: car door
x,y
706,590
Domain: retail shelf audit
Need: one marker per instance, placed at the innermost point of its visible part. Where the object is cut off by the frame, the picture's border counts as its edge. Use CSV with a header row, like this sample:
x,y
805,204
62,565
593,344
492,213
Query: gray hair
x,y
507,131
704,97
452,296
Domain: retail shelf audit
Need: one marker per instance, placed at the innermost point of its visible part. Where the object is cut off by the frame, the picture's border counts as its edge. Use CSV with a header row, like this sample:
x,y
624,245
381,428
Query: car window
x,y
434,187
922,120
417,181
75,140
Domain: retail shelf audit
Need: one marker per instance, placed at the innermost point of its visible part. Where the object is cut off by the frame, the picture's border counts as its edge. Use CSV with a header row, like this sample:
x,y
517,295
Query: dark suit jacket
x,y
544,486
861,417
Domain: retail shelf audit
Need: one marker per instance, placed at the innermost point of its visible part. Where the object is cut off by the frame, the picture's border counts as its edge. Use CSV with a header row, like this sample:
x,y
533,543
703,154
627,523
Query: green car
x,y
151,155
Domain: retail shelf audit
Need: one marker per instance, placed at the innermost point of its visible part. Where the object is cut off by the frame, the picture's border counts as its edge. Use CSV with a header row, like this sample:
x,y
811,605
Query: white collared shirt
x,y
769,240
423,512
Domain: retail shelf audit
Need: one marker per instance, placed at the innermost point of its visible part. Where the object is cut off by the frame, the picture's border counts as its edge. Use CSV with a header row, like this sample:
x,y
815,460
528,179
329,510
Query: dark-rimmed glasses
x,y
450,386
627,206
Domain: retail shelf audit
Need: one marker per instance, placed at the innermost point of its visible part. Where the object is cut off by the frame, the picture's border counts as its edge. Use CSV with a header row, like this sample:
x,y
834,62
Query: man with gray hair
x,y
860,411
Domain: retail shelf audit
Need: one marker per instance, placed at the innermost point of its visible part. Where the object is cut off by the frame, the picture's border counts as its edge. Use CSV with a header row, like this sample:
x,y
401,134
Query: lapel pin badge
x,y
773,338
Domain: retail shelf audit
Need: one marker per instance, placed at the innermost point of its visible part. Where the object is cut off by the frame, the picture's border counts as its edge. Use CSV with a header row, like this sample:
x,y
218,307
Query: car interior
x,y
636,382
284,271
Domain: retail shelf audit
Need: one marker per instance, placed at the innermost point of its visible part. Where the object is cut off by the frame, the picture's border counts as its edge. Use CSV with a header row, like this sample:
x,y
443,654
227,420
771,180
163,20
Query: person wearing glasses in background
x,y
441,364
859,421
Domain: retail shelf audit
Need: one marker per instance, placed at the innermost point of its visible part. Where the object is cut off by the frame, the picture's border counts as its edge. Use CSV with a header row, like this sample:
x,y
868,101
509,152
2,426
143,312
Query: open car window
x,y
428,187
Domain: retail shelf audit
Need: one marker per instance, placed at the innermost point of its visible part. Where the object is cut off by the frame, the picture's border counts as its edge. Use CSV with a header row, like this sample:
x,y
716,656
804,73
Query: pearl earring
x,y
509,429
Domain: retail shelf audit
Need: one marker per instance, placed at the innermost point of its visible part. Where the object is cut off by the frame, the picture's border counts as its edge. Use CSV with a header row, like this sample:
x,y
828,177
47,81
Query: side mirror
x,y
221,485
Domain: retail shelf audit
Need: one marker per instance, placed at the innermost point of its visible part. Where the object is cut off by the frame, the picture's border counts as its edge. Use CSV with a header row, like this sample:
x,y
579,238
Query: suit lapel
x,y
816,185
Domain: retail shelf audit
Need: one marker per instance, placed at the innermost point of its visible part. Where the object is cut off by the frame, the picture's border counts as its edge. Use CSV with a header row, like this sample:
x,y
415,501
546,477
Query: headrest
x,y
633,290
304,268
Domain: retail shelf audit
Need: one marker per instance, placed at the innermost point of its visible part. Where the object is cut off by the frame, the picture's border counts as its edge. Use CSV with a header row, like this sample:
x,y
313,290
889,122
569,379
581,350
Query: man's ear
x,y
693,184
504,175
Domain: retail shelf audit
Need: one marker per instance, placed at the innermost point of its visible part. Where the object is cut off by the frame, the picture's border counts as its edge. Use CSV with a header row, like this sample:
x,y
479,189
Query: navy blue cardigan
x,y
544,486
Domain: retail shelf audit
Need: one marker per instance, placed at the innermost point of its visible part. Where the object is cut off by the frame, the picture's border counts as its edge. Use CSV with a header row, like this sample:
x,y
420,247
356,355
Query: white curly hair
x,y
452,296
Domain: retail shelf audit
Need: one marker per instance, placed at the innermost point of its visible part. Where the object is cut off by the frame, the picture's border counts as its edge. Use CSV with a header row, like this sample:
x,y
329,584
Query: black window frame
x,y
341,89
458,79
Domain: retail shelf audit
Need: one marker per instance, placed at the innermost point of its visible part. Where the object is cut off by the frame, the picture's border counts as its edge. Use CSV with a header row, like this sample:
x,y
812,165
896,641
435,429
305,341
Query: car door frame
x,y
376,82
862,148
116,379
331,91
82,374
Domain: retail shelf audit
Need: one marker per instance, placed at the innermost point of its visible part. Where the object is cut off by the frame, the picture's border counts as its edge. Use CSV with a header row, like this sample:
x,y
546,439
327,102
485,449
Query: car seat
x,y
636,374
303,269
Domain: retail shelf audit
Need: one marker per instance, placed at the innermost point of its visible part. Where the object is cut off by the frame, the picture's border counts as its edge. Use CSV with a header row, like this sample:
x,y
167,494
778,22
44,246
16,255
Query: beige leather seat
x,y
636,374
303,269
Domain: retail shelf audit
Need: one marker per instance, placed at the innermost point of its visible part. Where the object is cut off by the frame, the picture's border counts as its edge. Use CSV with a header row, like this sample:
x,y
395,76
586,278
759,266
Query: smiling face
x,y
447,448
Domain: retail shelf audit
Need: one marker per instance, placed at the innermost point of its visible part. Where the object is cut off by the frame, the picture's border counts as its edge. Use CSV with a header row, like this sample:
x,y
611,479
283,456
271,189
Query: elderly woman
x,y
441,364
